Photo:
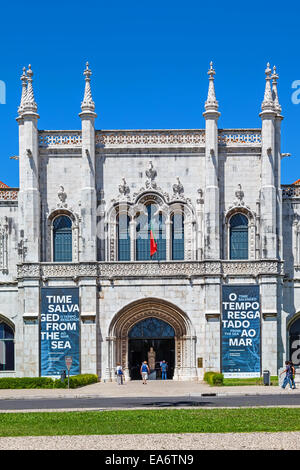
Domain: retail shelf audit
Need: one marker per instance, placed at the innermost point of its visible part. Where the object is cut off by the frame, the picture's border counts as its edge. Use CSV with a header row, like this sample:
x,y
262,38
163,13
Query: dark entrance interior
x,y
295,343
148,333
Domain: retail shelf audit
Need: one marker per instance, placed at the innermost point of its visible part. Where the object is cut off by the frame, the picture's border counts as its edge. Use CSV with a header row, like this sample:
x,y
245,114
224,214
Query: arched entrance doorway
x,y
128,322
151,340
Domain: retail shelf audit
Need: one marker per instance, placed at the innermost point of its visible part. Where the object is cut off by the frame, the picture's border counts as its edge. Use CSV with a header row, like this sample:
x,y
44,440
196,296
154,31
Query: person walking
x,y
288,373
144,372
164,368
120,374
293,375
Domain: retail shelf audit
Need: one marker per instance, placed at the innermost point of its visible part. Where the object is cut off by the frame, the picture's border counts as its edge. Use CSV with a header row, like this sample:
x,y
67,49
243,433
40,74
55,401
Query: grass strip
x,y
149,421
249,381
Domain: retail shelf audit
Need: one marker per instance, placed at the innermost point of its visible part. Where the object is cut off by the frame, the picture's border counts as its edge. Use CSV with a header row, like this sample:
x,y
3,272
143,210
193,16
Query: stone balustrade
x,y
150,138
50,139
237,137
290,191
9,194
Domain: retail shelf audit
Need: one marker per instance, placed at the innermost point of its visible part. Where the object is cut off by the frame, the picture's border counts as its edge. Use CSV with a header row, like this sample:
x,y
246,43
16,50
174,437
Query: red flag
x,y
153,243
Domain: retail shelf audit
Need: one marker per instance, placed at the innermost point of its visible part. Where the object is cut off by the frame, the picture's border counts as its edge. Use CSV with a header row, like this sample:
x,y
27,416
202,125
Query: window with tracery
x,y
153,221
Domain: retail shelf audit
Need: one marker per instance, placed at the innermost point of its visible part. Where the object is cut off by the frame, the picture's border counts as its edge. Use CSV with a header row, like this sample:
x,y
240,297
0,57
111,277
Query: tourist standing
x,y
164,368
293,374
288,373
120,374
144,372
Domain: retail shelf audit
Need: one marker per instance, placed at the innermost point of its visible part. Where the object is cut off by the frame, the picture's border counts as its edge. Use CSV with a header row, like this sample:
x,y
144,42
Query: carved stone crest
x,y
178,189
124,189
151,174
62,196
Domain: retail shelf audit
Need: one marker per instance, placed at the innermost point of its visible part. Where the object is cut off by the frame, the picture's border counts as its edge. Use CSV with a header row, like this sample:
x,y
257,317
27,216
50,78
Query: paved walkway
x,y
152,389
195,441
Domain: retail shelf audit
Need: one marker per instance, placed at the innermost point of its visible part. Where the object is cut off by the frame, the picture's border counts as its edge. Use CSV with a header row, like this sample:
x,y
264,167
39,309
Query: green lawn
x,y
150,421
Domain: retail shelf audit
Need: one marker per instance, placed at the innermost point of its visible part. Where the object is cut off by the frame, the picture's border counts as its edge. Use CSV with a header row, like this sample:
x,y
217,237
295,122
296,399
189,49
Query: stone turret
x,y
88,182
29,197
211,216
29,220
269,245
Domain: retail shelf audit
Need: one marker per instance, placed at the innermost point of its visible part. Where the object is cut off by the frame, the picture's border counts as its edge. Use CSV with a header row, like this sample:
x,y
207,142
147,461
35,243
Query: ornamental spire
x,y
87,103
29,103
211,103
24,91
268,103
275,91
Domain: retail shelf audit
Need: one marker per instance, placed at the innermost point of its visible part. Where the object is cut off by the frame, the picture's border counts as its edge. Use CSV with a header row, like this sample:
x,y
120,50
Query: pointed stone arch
x,y
250,215
128,316
75,231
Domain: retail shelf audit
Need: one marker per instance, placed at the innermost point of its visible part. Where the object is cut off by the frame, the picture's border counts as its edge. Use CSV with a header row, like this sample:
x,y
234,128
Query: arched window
x,y
238,235
62,239
7,347
155,222
177,221
123,221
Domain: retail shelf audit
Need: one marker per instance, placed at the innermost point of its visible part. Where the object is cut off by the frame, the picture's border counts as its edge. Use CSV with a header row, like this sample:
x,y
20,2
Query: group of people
x,y
289,375
144,371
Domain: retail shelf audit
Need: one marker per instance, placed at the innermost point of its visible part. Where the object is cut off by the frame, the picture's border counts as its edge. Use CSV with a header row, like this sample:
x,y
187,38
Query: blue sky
x,y
149,63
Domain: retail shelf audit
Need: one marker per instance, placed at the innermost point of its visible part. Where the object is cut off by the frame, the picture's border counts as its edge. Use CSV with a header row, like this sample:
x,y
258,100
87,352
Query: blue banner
x,y
59,330
241,332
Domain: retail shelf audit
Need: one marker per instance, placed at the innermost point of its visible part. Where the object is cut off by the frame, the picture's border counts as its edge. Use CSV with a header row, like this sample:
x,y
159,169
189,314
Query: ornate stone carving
x,y
200,199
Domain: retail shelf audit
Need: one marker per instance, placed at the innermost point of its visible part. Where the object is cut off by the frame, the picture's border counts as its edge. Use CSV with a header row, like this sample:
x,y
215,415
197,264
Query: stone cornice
x,y
161,270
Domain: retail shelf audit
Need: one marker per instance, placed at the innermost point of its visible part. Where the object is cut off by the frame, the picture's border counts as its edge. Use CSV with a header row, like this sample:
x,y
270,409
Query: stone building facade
x,y
82,215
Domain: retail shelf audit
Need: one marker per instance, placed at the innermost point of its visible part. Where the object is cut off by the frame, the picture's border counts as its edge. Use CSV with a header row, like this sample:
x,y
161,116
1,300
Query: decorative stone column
x,y
132,232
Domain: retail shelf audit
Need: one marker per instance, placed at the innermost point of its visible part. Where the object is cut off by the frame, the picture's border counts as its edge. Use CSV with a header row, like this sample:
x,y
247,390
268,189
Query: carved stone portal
x,y
117,341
